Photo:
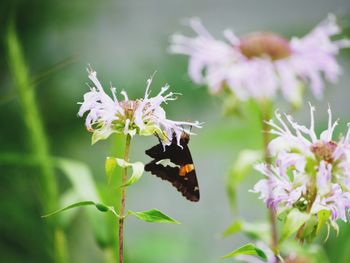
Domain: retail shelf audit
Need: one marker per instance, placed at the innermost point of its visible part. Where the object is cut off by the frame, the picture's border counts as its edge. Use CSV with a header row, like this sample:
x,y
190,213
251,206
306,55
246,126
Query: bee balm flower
x,y
258,65
309,172
144,116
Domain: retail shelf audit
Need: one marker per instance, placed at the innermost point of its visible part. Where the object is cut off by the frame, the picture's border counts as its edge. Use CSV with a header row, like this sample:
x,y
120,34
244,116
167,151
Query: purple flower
x,y
144,116
258,65
285,191
309,172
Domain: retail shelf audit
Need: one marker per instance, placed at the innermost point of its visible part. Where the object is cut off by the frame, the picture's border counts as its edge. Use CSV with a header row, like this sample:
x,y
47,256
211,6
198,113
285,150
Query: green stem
x,y
37,138
122,204
265,116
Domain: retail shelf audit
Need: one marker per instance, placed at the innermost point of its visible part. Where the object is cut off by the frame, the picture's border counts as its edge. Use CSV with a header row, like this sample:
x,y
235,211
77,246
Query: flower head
x,y
309,172
107,115
259,64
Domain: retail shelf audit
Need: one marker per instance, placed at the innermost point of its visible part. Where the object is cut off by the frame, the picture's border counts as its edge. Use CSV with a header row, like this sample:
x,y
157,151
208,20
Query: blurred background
x,y
125,42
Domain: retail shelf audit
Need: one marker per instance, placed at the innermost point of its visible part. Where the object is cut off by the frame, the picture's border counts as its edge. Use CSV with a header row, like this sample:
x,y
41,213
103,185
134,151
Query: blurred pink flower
x,y
144,116
309,172
260,64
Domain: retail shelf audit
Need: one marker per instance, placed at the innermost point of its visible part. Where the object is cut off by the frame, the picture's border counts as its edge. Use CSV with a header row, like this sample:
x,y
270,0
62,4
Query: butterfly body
x,y
174,164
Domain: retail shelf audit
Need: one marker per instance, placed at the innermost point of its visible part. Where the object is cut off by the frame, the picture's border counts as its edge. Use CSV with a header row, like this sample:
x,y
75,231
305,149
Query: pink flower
x,y
309,172
284,190
260,64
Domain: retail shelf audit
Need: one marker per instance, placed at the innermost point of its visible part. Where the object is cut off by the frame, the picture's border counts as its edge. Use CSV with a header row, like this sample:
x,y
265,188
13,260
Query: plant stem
x,y
37,138
265,116
122,204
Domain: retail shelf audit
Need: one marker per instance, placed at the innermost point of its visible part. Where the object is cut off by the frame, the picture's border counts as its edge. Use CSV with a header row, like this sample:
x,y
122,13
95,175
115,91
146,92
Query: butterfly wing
x,y
180,172
187,185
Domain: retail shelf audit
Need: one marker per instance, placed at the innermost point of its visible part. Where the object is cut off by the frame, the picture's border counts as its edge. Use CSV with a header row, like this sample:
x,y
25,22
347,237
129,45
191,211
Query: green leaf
x,y
234,228
282,213
80,177
78,204
83,187
68,197
101,133
110,165
154,216
323,217
256,230
309,229
150,129
100,207
248,249
18,159
294,220
239,171
137,170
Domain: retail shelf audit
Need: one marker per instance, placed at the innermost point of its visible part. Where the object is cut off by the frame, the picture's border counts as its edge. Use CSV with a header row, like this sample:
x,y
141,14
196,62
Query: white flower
x,y
144,116
309,172
260,64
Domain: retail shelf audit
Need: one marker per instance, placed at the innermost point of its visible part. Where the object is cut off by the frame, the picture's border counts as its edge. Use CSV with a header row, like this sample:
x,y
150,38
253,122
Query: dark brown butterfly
x,y
175,165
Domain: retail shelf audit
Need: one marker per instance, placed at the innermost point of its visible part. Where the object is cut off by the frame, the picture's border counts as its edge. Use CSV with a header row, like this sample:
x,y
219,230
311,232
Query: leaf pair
x,y
153,215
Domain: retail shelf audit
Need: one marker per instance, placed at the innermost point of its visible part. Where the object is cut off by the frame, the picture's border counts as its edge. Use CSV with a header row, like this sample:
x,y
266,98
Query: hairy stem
x,y
37,138
265,116
122,204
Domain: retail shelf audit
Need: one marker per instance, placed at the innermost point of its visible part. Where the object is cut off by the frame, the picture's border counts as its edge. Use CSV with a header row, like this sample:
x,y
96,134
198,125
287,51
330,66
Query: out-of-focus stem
x,y
265,116
122,204
36,134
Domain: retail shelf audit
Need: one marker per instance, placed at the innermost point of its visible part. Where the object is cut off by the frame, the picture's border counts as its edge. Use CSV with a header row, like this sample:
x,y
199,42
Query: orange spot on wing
x,y
185,169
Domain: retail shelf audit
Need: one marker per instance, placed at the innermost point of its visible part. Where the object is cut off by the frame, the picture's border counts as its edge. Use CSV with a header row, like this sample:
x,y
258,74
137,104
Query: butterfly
x,y
174,164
